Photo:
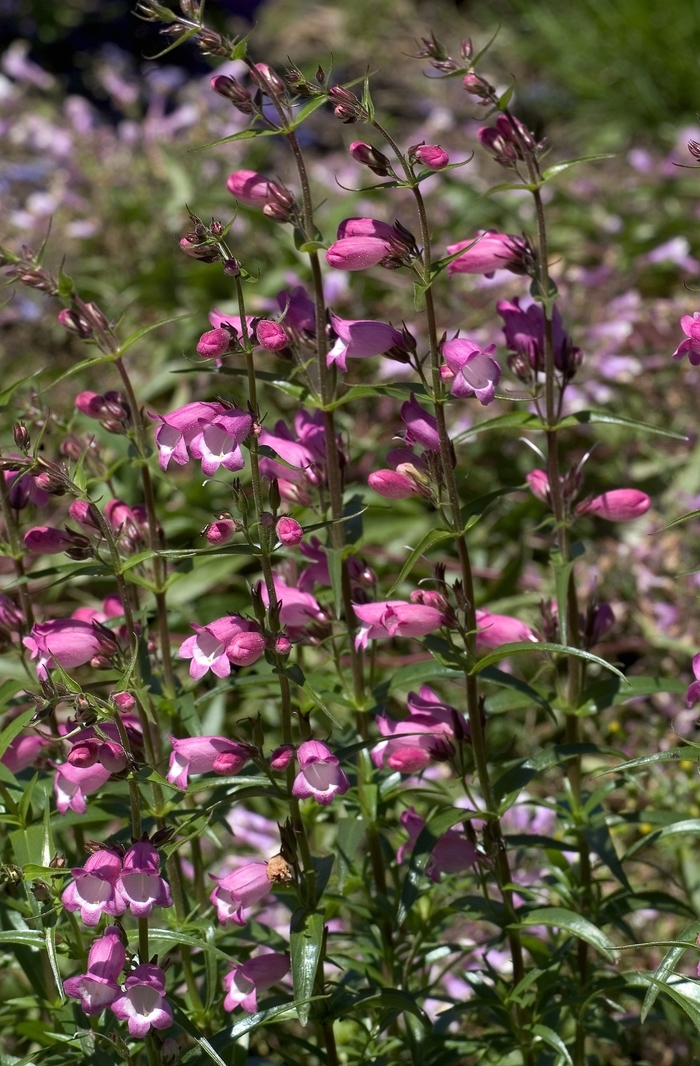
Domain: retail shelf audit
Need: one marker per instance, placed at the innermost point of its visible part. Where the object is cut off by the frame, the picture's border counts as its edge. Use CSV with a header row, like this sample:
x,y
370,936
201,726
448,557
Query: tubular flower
x,y
693,693
142,1004
243,982
320,777
690,324
218,443
360,339
496,629
471,370
94,892
395,618
69,642
486,253
424,735
140,885
177,430
201,755
452,854
421,426
73,783
237,892
98,988
618,505
224,641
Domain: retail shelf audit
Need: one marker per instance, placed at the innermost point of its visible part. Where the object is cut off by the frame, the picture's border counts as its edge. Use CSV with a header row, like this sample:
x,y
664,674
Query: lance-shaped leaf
x,y
525,647
575,924
306,943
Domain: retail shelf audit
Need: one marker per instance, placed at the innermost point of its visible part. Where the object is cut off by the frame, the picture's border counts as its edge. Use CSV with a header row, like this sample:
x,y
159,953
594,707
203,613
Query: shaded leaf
x,y
572,923
306,942
667,965
524,647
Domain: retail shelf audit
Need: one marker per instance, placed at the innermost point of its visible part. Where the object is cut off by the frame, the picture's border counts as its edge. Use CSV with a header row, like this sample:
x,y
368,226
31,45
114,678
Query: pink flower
x,y
497,629
73,783
360,339
23,489
281,757
140,886
93,892
22,752
487,252
425,734
421,426
524,334
90,404
98,988
690,324
289,532
69,642
298,310
618,505
82,512
470,369
237,892
108,754
364,242
142,1003
271,336
392,485
453,853
320,777
390,618
252,188
214,343
224,641
218,442
221,531
47,540
693,693
201,755
243,983
432,156
298,607
177,429
538,480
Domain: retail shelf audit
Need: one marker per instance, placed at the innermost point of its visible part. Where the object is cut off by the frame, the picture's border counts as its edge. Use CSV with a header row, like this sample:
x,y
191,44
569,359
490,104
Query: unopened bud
x,y
170,1051
232,268
283,645
21,436
123,700
74,323
268,79
289,532
281,757
221,531
271,336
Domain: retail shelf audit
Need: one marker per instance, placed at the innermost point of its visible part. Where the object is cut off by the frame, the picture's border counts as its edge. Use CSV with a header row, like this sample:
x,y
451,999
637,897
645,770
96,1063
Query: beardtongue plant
x,y
369,903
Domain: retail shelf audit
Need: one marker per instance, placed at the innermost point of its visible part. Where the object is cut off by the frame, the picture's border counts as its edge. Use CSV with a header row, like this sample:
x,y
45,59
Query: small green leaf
x,y
473,511
677,521
308,109
648,760
500,677
242,135
183,1020
335,570
143,331
66,285
431,538
409,676
350,833
512,420
17,724
518,776
419,292
50,944
6,393
306,942
525,647
573,923
559,168
29,937
584,418
667,965
548,1036
367,99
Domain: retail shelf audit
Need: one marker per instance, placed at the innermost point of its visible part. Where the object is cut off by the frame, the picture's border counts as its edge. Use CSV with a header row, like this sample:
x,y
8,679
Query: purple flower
x,y
69,642
94,892
390,618
142,1003
690,324
453,853
177,430
360,339
98,988
218,443
22,752
201,755
299,310
421,426
243,982
73,783
470,369
298,607
237,892
431,155
289,532
425,734
486,253
524,333
47,540
214,343
252,188
271,335
693,693
496,629
140,885
392,485
364,242
320,777
224,641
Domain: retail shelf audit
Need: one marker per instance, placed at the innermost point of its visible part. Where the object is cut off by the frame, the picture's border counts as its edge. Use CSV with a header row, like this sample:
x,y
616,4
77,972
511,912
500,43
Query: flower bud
x,y
392,485
281,757
283,645
246,648
618,505
74,323
214,343
539,484
268,79
232,90
289,532
221,532
84,753
46,540
198,249
430,155
271,336
90,404
170,1049
83,512
123,700
370,157
112,756
21,437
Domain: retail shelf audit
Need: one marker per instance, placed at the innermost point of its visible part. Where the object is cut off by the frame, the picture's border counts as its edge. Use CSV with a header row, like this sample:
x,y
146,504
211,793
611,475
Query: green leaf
x,y
307,110
473,511
6,393
600,841
559,168
183,1020
681,990
177,936
524,647
685,825
500,677
350,833
518,776
431,538
678,521
422,850
66,285
306,942
367,99
29,845
575,924
419,291
143,331
548,1036
512,420
50,944
29,937
418,674
335,570
648,760
609,691
17,724
667,965
242,135
389,998
224,1039
607,418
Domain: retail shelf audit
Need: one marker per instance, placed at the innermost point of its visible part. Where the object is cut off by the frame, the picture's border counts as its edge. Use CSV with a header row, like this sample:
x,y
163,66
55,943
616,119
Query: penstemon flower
x,y
320,776
140,885
142,1004
93,891
244,982
98,988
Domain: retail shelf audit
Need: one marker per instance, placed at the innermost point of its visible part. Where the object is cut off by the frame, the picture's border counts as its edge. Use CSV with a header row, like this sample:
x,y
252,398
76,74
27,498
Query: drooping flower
x,y
365,242
471,370
298,607
618,505
496,629
224,641
73,783
98,988
202,755
431,155
453,853
690,324
69,642
218,443
177,430
142,1004
486,253
93,891
320,776
360,339
48,540
252,188
390,618
424,735
237,892
140,885
421,426
524,333
243,982
693,692
23,751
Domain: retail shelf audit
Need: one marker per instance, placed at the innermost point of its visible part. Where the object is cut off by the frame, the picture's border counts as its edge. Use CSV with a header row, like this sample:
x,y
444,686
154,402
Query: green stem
x,y
16,555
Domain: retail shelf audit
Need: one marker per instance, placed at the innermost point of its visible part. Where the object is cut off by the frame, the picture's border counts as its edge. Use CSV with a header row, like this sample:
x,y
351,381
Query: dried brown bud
x,y
278,870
